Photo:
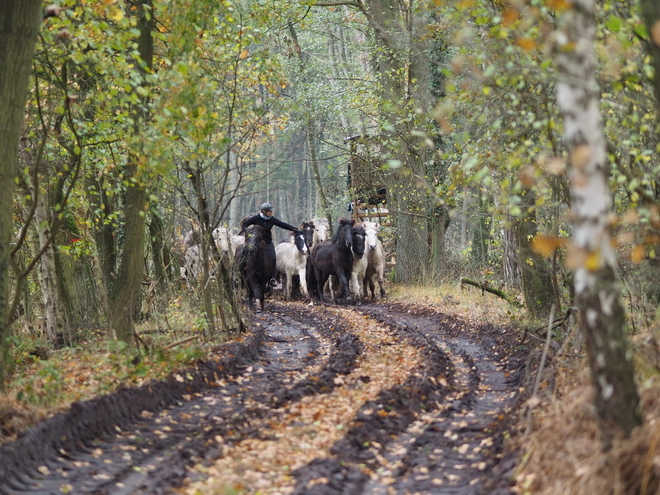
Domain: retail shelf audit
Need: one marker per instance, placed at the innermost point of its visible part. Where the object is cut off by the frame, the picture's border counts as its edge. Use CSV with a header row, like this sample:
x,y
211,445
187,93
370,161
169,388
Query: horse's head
x,y
371,229
253,238
307,228
300,241
322,233
358,236
345,232
221,237
320,230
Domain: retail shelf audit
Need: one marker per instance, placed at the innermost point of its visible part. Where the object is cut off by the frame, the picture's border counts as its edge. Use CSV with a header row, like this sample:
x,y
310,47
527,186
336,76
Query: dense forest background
x,y
149,125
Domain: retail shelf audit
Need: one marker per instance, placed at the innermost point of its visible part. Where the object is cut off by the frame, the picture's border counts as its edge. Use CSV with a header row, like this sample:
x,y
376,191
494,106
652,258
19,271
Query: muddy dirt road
x,y
375,399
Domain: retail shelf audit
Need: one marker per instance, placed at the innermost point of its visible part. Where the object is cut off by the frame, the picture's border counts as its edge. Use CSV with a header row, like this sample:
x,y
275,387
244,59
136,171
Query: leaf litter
x,y
338,400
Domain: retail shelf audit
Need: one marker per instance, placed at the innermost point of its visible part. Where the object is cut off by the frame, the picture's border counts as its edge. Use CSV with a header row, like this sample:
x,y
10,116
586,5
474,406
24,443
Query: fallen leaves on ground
x,y
253,465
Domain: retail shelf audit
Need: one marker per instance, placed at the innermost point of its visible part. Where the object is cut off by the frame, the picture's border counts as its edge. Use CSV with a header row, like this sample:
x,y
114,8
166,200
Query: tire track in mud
x,y
446,445
452,450
438,428
152,452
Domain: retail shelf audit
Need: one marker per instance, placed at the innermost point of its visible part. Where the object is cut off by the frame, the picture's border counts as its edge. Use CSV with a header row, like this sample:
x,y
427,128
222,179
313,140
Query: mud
x,y
444,436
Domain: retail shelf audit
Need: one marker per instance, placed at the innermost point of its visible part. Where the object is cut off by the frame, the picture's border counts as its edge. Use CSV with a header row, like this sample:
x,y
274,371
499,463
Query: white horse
x,y
321,228
375,255
292,260
226,241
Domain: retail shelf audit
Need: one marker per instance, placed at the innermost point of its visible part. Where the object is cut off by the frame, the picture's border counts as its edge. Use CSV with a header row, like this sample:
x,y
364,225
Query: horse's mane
x,y
249,215
318,221
342,222
260,230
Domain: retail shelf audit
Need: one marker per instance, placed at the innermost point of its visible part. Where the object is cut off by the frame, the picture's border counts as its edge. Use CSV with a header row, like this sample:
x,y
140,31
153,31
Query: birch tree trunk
x,y
591,254
19,26
56,326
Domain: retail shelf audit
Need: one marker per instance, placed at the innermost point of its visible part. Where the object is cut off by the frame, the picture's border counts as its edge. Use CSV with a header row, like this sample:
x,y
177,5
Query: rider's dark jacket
x,y
266,223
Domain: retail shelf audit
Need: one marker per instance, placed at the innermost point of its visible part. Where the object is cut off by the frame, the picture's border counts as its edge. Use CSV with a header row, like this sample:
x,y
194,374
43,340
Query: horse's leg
x,y
302,274
284,284
355,286
343,280
250,295
381,284
257,294
372,286
261,300
322,278
365,285
331,286
288,280
311,280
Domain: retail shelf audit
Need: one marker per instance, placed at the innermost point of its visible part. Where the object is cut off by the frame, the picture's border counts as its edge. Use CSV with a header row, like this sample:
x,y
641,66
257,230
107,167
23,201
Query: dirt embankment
x,y
380,398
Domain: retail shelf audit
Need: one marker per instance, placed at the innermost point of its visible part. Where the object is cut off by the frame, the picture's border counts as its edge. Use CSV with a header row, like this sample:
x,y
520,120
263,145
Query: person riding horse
x,y
266,221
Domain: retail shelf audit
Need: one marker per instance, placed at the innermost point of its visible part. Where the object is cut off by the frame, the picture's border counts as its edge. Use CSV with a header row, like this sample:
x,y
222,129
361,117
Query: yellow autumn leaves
x,y
578,257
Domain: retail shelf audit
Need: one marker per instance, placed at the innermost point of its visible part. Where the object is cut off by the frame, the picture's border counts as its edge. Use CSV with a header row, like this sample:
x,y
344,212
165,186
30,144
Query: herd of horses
x,y
345,265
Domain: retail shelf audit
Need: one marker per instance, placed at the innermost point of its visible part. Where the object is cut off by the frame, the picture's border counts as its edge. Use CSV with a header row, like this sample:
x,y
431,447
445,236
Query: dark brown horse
x,y
334,257
256,266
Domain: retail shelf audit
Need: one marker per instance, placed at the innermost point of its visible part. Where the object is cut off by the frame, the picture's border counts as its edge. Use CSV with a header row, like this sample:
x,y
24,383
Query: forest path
x,y
379,398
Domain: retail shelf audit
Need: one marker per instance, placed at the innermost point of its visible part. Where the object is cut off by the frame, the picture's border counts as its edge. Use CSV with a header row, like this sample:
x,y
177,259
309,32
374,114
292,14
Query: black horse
x,y
256,266
334,257
307,229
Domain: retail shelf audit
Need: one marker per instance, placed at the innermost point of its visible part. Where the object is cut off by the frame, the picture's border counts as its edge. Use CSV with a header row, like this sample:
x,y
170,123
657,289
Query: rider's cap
x,y
266,207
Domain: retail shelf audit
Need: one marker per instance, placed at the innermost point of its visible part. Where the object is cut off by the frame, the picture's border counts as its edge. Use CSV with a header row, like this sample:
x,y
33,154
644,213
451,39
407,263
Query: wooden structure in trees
x,y
366,186
365,181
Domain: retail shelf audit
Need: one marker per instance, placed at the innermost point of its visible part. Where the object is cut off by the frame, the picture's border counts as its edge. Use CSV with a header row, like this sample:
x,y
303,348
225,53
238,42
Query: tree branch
x,y
357,5
498,293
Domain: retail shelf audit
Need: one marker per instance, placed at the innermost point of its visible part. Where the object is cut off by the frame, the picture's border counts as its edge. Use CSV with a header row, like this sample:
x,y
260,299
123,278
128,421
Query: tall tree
x,y
535,276
19,26
591,254
125,289
400,31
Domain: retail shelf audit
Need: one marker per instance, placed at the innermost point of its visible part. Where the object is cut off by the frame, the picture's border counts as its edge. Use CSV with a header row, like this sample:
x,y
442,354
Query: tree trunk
x,y
411,233
19,26
56,324
510,266
535,276
311,137
591,254
125,290
44,248
480,234
196,177
438,230
157,240
404,76
650,12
